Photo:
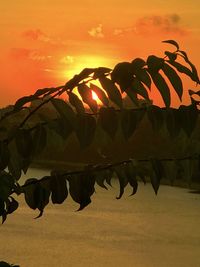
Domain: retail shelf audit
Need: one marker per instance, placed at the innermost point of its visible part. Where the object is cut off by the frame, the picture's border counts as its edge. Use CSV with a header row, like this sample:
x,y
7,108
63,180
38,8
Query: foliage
x,y
22,142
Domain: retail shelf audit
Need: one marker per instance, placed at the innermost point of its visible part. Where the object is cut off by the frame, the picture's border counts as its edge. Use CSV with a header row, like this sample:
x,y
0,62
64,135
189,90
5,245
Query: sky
x,y
45,42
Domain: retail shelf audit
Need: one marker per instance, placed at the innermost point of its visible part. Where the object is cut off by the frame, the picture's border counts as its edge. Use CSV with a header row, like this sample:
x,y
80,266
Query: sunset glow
x,y
45,44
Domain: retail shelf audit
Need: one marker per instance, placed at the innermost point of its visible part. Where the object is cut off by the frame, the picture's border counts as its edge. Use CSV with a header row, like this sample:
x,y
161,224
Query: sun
x,y
79,63
94,96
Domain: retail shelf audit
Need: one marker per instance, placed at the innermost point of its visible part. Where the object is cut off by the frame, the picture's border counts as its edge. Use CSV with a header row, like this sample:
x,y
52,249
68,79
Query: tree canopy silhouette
x,y
23,139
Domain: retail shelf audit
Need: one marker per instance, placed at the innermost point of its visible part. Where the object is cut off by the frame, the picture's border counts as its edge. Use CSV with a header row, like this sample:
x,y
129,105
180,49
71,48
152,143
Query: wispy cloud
x,y
155,24
97,32
67,60
31,54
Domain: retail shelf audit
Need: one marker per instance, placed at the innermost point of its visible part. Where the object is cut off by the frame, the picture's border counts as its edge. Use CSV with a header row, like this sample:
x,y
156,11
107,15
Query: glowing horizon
x,y
40,51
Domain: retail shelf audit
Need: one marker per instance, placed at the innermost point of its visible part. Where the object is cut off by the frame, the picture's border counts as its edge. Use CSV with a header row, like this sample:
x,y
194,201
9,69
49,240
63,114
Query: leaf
x,y
45,91
112,91
172,42
36,195
188,118
61,127
154,64
133,96
76,102
173,122
64,110
174,79
4,155
157,174
85,131
162,87
85,73
155,115
171,56
139,88
182,69
143,76
129,122
108,119
138,63
100,93
6,185
194,70
58,188
39,139
86,94
11,205
24,143
81,188
123,180
15,164
171,170
130,172
100,72
122,74
24,100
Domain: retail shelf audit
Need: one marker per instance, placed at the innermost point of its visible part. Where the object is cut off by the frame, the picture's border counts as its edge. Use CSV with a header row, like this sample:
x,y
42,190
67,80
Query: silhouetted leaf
x,y
59,190
172,42
122,74
11,205
4,155
133,96
100,93
129,122
154,64
157,174
139,88
44,91
39,139
6,185
24,142
86,95
24,100
131,173
76,102
81,188
188,117
100,72
194,70
171,56
155,115
61,127
123,180
86,127
174,79
171,170
36,195
173,122
162,86
182,69
64,110
137,63
143,76
112,91
108,120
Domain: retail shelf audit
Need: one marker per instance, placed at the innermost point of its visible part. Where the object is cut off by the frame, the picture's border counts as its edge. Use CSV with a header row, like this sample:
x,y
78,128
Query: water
x,y
140,231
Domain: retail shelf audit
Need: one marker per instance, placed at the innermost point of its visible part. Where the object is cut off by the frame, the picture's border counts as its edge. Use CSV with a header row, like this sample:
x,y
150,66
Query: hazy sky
x,y
45,42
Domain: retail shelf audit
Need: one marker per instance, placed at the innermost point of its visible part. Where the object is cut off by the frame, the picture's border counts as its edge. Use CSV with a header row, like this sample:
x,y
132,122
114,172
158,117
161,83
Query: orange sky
x,y
43,42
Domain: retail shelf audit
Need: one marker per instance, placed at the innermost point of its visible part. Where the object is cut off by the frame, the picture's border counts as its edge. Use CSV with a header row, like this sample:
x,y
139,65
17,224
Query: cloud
x,y
31,54
155,24
38,35
96,32
67,60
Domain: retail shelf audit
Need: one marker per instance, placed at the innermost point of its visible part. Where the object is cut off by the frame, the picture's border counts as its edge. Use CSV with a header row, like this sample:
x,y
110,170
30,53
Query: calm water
x,y
139,231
